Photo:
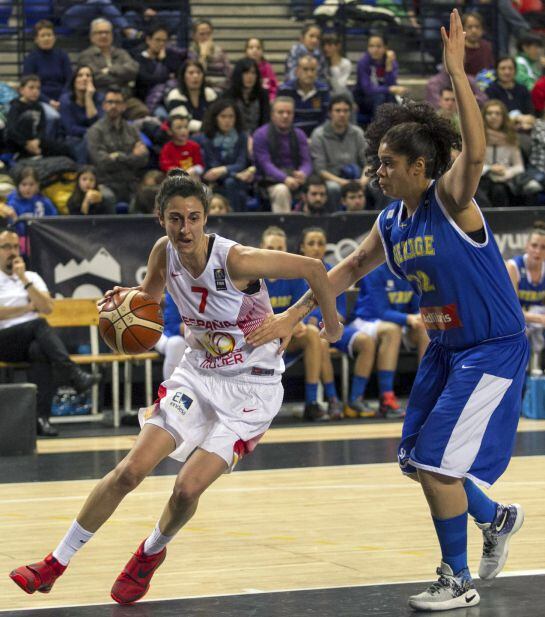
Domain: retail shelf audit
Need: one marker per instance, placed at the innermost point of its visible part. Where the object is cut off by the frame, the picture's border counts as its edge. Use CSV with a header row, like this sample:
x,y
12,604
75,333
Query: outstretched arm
x,y
246,264
365,258
458,185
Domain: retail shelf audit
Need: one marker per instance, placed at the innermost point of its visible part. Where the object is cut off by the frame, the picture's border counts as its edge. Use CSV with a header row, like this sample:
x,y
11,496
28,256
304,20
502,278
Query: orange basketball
x,y
131,322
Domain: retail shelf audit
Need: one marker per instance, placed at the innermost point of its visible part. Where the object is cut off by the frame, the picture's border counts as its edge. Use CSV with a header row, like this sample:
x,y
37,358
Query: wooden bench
x,y
75,313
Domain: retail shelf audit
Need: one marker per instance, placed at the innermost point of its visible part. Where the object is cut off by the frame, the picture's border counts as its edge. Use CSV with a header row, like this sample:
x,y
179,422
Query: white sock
x,y
156,541
76,537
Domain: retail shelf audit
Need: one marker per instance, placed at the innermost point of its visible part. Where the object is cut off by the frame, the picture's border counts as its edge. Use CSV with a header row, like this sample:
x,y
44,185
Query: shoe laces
x,y
440,584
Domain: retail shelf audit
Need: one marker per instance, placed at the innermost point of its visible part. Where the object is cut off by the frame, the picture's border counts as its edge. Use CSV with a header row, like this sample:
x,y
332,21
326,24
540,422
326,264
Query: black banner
x,y
83,256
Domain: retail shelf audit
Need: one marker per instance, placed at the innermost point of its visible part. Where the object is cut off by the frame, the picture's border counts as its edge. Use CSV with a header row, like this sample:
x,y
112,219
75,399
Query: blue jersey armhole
x,y
383,239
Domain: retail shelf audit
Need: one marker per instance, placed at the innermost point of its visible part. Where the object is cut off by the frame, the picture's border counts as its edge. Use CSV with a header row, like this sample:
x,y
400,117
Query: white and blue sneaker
x,y
448,592
496,536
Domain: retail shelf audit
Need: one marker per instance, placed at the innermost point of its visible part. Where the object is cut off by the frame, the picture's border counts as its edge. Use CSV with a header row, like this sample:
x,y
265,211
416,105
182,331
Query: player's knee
x,y
127,476
186,492
364,344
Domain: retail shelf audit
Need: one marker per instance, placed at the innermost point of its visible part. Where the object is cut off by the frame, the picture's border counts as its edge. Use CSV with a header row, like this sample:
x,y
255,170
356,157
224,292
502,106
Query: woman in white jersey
x,y
220,399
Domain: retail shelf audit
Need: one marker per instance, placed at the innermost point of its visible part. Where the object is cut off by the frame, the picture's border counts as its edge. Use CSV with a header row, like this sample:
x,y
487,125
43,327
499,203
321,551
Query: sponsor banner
x,y
83,256
440,317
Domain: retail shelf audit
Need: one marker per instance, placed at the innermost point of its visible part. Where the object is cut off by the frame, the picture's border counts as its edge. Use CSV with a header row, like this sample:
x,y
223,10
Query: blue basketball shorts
x,y
463,411
345,343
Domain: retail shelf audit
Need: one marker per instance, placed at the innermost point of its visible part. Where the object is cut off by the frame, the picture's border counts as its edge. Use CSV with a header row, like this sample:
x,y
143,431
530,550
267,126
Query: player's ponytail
x,y
179,183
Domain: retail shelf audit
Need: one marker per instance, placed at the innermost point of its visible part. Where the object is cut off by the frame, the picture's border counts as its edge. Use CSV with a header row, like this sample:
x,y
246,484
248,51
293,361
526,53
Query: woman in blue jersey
x,y
527,274
357,345
463,411
306,338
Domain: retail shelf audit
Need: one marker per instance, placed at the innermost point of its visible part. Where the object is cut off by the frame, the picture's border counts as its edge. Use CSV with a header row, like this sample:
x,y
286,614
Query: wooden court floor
x,y
261,530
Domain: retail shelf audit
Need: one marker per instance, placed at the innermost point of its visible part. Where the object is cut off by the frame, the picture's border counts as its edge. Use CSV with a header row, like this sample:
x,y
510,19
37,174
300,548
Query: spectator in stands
x,y
306,338
339,68
309,45
26,129
448,108
112,66
192,96
441,80
503,164
88,196
536,167
514,96
281,156
219,205
382,306
357,345
157,63
77,15
269,82
252,100
352,197
81,107
377,76
311,97
174,16
313,197
27,337
172,342
51,64
510,22
530,60
146,193
27,201
180,151
337,148
479,54
225,149
115,148
216,65
538,95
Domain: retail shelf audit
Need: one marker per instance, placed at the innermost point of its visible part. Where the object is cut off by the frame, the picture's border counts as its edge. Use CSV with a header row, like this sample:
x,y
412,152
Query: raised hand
x,y
454,45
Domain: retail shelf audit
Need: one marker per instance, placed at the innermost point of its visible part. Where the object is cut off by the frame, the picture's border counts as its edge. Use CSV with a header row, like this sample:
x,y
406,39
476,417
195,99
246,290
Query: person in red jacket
x,y
180,151
538,95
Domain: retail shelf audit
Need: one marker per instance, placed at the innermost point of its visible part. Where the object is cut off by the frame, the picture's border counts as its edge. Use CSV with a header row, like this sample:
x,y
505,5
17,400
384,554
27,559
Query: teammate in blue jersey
x,y
357,345
387,309
527,274
463,411
172,342
283,293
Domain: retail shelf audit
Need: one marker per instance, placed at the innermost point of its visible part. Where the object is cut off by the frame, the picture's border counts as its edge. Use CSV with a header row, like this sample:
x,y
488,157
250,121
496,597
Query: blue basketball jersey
x,y
340,301
466,295
285,292
171,315
529,294
385,296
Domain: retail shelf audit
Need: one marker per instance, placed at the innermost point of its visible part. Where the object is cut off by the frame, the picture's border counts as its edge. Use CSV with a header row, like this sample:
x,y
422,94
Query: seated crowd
x,y
119,119
260,142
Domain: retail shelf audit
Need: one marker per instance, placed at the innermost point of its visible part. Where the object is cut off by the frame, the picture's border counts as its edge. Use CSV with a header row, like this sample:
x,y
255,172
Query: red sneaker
x,y
133,582
390,407
38,576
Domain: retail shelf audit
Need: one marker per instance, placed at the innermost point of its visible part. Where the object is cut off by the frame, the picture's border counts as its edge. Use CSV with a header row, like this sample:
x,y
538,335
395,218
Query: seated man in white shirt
x,y
26,337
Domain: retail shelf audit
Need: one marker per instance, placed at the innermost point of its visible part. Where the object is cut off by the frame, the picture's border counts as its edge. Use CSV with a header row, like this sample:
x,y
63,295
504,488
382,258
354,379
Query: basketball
x,y
131,322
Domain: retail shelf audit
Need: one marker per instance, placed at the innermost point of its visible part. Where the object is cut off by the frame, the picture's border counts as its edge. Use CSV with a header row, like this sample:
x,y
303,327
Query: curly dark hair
x,y
414,130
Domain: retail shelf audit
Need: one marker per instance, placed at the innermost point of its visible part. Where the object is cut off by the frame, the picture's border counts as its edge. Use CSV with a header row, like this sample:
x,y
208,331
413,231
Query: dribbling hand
x,y
108,294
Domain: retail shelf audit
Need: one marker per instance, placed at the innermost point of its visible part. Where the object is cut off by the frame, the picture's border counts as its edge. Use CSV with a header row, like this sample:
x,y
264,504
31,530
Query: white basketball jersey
x,y
217,316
